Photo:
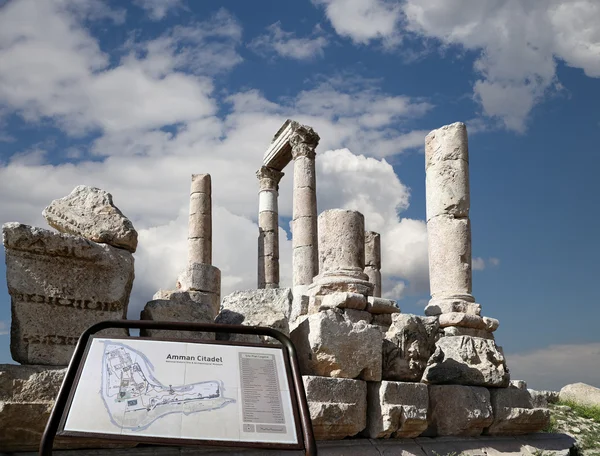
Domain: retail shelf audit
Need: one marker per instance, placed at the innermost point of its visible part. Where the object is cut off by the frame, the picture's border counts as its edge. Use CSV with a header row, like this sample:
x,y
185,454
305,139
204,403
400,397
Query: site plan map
x,y
179,390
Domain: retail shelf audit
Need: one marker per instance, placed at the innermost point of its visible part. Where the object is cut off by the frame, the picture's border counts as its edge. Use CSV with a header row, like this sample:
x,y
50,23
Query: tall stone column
x,y
304,141
268,227
200,220
373,260
448,225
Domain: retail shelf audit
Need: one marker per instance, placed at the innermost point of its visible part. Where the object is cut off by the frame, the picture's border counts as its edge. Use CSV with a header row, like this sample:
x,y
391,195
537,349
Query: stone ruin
x,y
370,371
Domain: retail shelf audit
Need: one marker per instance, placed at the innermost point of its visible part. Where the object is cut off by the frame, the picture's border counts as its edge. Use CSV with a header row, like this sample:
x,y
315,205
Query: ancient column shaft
x,y
373,260
200,220
268,227
304,141
448,226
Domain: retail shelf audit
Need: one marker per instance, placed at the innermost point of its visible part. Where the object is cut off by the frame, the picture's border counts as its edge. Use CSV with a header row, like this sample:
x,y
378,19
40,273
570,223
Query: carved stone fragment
x,y
89,212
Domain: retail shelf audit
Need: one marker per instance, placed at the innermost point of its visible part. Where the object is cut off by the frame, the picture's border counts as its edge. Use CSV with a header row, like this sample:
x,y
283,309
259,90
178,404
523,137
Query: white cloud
x,y
478,264
4,328
158,9
287,45
518,42
553,367
494,261
364,20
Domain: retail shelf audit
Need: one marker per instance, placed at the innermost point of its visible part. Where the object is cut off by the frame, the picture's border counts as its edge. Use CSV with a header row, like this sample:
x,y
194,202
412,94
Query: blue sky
x,y
133,97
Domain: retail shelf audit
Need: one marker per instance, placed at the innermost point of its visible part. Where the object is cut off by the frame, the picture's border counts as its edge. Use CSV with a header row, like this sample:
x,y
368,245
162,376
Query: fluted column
x,y
200,220
373,260
304,141
268,227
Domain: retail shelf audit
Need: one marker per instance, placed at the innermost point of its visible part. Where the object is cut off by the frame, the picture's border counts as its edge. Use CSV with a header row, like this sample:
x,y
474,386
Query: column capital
x,y
269,178
304,141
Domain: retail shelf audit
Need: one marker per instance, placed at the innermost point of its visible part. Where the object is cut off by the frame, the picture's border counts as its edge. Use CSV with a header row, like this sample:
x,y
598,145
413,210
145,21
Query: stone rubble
x,y
514,413
89,212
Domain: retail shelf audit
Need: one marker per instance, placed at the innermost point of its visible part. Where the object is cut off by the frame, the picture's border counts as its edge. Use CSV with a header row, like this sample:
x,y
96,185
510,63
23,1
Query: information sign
x,y
159,390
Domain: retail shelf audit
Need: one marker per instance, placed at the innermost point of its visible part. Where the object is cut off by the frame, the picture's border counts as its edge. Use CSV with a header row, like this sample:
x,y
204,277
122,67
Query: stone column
x,y
200,220
373,260
448,225
268,227
304,141
341,253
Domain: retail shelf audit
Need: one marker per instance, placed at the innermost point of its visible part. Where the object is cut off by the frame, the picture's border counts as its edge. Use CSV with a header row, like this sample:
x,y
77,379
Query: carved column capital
x,y
304,141
269,178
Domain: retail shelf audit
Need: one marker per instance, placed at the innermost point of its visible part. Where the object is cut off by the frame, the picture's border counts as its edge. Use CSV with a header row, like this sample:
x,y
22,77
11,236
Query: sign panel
x,y
152,390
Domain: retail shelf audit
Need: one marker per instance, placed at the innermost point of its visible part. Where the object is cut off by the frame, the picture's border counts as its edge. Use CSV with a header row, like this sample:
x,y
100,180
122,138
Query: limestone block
x,y
338,406
331,345
377,305
200,204
447,184
200,277
268,220
374,276
199,250
348,281
304,173
343,300
59,286
447,143
466,360
304,231
89,212
458,331
201,183
200,226
541,399
407,345
491,324
358,315
373,249
382,319
581,393
396,409
520,384
341,240
459,410
449,246
463,320
181,306
514,413
27,396
300,304
262,307
440,306
304,202
268,244
305,263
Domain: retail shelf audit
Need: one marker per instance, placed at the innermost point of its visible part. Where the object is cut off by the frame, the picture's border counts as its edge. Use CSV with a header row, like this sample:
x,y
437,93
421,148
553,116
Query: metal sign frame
x,y
299,403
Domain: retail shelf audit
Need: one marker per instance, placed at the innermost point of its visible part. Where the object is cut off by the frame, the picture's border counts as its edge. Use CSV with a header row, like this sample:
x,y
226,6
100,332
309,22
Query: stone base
x,y
466,360
459,410
332,283
27,396
381,306
200,277
338,406
262,307
329,344
514,412
181,306
396,409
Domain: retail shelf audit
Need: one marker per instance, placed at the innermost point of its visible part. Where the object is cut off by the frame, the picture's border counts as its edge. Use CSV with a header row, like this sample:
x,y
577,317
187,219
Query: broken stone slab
x,y
377,305
396,409
89,212
325,284
514,413
200,277
465,360
463,320
541,399
358,315
343,301
382,320
407,345
181,306
262,307
59,286
581,393
459,331
458,410
329,344
27,395
206,300
338,406
441,306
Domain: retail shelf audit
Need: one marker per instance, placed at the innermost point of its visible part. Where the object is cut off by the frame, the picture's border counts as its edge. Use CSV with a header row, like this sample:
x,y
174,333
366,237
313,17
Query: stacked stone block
x,y
373,260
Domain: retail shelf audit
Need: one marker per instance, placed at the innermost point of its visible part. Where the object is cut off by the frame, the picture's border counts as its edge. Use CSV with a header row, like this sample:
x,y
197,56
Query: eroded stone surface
x,y
331,345
264,307
338,406
514,413
439,306
465,360
181,306
396,409
343,301
407,345
200,277
459,331
459,410
89,212
581,393
377,305
59,286
463,320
